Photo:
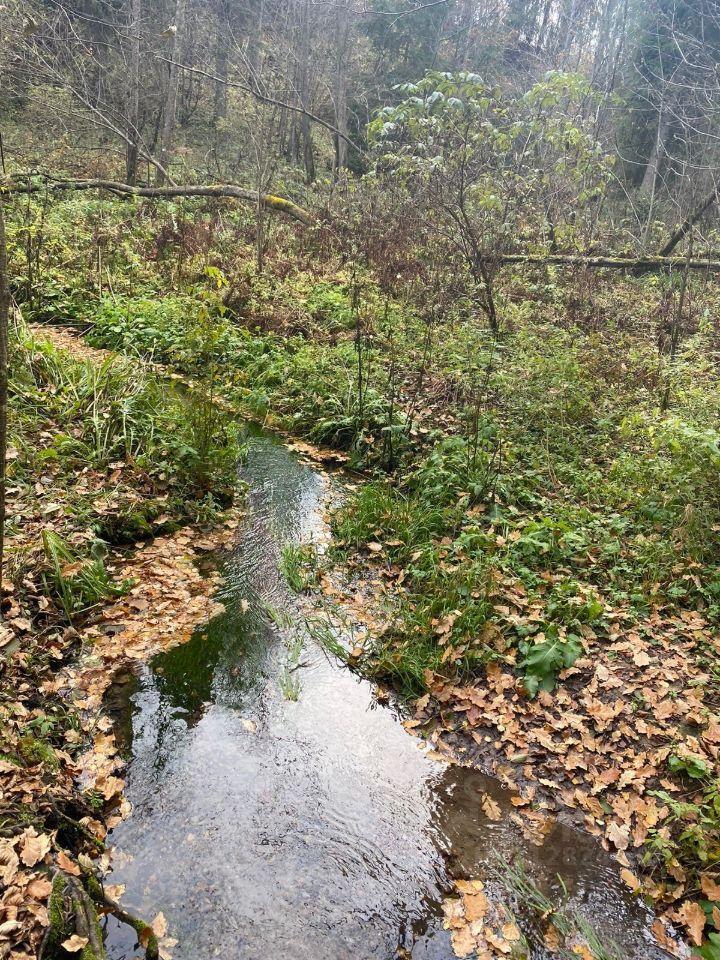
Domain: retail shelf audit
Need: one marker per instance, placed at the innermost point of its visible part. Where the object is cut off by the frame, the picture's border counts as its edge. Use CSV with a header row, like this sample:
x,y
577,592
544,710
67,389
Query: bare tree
x,y
4,318
133,91
177,32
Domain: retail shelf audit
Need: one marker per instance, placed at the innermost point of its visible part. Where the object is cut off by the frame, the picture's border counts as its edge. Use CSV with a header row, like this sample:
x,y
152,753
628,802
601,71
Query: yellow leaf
x,y
630,879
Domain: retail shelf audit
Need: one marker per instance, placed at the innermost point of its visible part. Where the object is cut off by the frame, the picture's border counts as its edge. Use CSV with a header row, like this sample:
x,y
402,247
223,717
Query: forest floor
x,y
62,776
538,517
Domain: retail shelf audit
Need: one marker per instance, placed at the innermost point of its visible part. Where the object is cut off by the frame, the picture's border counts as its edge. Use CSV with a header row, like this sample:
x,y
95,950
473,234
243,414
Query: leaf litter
x,y
60,772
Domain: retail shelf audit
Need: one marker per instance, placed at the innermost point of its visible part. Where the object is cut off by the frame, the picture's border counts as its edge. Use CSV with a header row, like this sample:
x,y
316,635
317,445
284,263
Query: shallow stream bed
x,y
279,810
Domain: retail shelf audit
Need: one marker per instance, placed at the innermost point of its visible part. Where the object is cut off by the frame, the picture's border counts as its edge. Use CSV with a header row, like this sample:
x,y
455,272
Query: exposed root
x,y
75,907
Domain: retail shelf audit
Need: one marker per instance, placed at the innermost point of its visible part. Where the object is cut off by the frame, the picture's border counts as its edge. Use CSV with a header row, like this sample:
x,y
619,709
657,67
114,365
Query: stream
x,y
306,822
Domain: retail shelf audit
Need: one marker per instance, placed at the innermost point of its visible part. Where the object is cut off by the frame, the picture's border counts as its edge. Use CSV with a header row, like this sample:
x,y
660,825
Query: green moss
x,y
33,750
59,928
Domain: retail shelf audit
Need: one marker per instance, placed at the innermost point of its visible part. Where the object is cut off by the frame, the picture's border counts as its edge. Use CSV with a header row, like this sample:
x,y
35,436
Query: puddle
x,y
313,828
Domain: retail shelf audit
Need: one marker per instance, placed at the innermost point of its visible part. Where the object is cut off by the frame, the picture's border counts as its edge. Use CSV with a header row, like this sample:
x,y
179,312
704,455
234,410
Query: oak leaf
x,y
35,847
710,887
490,808
692,917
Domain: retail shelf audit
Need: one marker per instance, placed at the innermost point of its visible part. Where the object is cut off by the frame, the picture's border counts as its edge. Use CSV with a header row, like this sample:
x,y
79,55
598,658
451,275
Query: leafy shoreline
x,y
75,609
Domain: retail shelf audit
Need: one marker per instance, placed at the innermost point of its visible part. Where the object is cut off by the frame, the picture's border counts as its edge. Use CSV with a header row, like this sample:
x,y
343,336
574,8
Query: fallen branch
x,y
271,202
73,908
689,222
634,264
146,934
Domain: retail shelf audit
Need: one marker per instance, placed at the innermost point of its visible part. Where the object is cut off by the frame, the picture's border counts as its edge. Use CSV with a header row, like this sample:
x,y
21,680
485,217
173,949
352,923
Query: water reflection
x,y
311,829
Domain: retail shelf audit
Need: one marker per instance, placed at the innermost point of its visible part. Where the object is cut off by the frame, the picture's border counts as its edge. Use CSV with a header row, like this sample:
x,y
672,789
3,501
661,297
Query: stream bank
x,y
279,808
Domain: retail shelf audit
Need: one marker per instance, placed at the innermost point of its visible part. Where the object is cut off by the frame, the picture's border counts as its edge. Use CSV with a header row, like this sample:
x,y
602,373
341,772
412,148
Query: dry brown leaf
x,y
463,942
35,846
74,943
159,925
710,887
67,865
476,906
630,879
39,888
692,917
618,835
490,808
552,939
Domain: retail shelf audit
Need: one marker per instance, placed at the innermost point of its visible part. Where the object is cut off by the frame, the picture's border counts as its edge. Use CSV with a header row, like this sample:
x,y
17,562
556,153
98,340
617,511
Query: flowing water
x,y
265,826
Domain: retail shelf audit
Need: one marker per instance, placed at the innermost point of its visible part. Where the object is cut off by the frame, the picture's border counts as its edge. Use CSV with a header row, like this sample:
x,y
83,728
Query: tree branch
x,y
608,262
689,222
265,98
271,202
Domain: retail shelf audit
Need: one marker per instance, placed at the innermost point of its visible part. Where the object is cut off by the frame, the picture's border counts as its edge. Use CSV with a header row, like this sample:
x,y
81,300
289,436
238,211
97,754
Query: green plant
x,y
78,583
299,566
544,658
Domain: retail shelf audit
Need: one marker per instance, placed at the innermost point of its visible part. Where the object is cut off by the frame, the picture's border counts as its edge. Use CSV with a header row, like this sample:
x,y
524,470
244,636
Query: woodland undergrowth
x,y
541,507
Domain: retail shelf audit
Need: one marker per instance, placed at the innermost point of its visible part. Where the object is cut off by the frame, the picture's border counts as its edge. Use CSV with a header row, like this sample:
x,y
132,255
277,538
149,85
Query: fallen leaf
x,y
67,865
39,889
35,847
74,943
476,906
630,879
463,942
710,887
618,835
692,917
490,808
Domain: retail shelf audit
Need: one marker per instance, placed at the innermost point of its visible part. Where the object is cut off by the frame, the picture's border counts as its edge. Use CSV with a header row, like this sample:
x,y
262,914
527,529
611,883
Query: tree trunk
x,y
133,134
170,106
689,222
222,53
649,181
304,91
341,37
4,317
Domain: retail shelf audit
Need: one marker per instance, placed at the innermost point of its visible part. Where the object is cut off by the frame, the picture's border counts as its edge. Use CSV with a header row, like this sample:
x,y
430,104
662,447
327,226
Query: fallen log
x,y
604,262
47,185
